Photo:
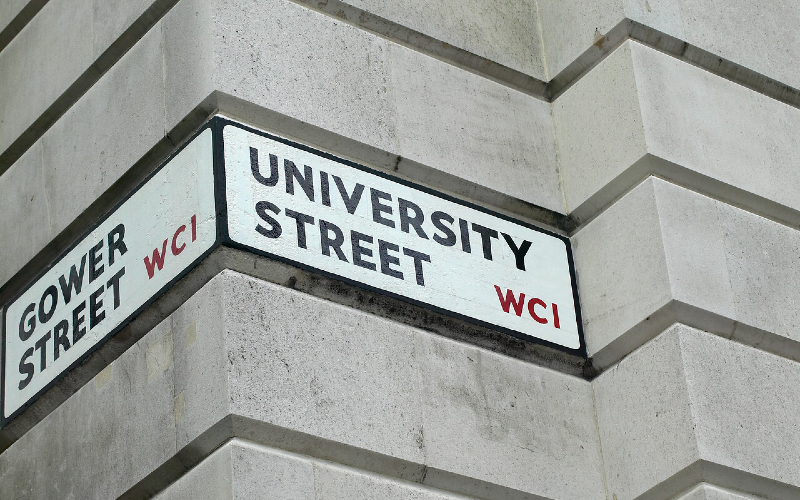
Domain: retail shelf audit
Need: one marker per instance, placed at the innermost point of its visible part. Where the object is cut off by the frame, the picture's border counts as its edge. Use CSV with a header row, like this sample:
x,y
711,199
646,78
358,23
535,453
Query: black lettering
x,y
355,242
449,236
418,259
464,226
387,260
28,313
115,242
306,181
327,243
41,346
75,281
486,238
77,321
273,165
95,303
350,201
114,284
60,338
405,221
44,316
26,369
519,253
301,219
378,207
275,227
325,187
95,258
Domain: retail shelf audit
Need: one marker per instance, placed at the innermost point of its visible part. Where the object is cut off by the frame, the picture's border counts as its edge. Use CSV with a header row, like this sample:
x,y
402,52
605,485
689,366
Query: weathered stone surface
x,y
622,270
105,132
740,31
504,32
527,420
663,253
704,399
56,40
105,438
10,10
710,492
644,418
242,470
24,197
110,19
387,96
640,111
211,478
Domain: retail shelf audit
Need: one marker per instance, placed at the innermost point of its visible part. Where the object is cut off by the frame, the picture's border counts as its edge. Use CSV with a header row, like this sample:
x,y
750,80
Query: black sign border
x,y
108,213
217,124
219,165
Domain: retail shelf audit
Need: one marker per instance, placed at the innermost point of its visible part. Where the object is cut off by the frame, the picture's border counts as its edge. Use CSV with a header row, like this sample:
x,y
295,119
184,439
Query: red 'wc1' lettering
x,y
537,308
176,247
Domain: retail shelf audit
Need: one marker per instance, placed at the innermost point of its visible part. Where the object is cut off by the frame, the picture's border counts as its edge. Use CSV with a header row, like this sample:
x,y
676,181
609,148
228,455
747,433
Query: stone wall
x,y
659,135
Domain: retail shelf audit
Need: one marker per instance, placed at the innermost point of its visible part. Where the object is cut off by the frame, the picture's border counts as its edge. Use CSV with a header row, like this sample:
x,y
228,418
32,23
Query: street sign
x,y
317,211
123,263
236,186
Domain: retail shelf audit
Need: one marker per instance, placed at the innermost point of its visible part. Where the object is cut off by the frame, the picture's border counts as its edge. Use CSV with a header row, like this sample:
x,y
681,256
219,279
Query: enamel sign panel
x,y
110,274
290,202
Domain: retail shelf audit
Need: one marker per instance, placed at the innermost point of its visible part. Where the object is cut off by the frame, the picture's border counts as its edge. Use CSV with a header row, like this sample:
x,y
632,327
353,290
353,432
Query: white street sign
x,y
323,213
140,249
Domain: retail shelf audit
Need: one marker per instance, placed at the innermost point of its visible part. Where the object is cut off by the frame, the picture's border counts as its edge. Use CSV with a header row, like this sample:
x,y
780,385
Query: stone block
x,y
99,138
311,376
710,492
571,28
504,32
41,62
320,368
200,361
743,404
497,419
260,472
622,270
323,71
695,249
642,112
663,253
387,96
763,269
242,470
644,418
719,27
475,129
104,439
694,401
345,483
24,199
211,478
718,129
110,19
599,128
10,10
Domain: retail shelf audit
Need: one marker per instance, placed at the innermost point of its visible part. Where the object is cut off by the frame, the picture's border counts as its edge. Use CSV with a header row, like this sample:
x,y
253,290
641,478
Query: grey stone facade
x,y
659,135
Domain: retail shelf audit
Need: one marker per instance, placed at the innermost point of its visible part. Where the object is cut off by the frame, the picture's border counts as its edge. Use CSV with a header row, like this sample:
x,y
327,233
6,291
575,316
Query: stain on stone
x,y
599,39
159,357
104,376
180,406
647,6
190,334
